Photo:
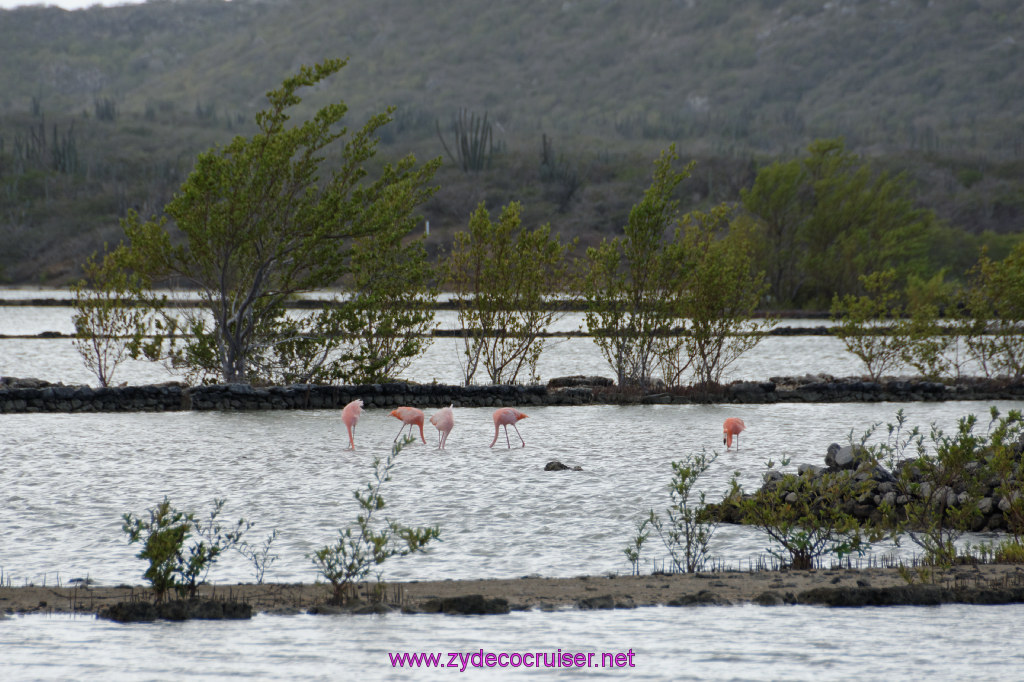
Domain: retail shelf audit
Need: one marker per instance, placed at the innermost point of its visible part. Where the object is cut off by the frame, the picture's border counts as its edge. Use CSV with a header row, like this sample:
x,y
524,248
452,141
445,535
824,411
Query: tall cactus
x,y
474,141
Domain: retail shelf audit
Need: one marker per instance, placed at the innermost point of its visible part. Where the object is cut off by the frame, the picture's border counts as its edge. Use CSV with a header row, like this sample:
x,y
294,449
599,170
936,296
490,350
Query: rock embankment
x,y
36,395
870,492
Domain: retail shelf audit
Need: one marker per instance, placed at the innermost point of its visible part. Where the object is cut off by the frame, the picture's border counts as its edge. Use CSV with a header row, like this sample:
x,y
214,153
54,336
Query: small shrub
x,y
368,544
635,548
686,530
164,535
805,517
259,556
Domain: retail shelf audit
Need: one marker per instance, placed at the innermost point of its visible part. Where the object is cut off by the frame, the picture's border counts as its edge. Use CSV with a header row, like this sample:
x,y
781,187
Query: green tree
x,y
829,218
868,325
780,198
723,291
633,284
255,224
110,323
1004,452
929,347
500,274
994,309
381,325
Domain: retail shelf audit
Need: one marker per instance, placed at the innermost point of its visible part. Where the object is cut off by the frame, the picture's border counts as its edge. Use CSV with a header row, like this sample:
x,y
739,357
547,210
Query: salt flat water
x,y
66,480
951,642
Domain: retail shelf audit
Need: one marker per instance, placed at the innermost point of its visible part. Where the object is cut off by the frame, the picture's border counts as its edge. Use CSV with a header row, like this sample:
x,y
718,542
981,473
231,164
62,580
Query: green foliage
x,y
164,535
686,530
259,556
634,550
1004,456
633,284
109,327
256,225
500,274
994,312
736,100
941,484
377,330
723,291
828,219
366,545
868,324
805,516
929,347
680,304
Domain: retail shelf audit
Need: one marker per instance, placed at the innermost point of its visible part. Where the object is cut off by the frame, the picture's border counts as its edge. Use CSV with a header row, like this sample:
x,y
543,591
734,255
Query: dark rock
x,y
904,595
605,602
579,380
326,610
555,465
469,605
773,598
372,609
129,612
702,598
177,610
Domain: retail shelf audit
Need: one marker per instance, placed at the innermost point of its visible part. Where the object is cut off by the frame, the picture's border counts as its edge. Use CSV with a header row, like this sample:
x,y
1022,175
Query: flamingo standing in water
x,y
350,415
409,416
444,420
506,416
732,427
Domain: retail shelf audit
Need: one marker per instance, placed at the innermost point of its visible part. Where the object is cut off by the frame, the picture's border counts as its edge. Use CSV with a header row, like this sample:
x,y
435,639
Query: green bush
x,y
164,535
367,544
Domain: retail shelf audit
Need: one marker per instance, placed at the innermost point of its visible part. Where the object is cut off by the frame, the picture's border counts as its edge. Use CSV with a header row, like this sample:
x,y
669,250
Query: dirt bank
x,y
986,584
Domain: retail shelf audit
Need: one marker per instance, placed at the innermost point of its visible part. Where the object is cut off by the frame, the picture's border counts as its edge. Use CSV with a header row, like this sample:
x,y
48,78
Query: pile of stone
x,y
872,486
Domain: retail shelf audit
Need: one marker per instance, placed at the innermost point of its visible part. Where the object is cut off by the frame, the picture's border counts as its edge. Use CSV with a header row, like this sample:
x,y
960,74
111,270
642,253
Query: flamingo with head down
x,y
350,415
507,416
410,416
444,420
732,427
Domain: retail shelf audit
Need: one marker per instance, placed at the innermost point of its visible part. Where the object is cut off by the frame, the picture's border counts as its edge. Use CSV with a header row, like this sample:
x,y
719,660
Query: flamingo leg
x,y
506,437
400,432
518,434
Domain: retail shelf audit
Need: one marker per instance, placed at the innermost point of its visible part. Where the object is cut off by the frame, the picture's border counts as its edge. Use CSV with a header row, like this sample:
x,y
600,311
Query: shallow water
x,y
950,642
57,360
66,480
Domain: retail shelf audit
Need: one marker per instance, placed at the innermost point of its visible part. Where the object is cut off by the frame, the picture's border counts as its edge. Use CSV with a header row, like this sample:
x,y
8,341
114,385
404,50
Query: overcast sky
x,y
66,4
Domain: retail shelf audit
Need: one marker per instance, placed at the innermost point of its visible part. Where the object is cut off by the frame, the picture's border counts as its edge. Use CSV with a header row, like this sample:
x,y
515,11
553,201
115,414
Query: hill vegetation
x,y
104,110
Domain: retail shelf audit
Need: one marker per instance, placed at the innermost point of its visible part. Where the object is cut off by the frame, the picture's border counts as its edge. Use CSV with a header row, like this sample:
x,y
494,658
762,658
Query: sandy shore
x,y
994,583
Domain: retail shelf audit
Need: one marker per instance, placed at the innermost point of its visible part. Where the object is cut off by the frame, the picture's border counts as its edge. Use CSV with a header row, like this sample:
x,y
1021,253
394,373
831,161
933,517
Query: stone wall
x,y
35,395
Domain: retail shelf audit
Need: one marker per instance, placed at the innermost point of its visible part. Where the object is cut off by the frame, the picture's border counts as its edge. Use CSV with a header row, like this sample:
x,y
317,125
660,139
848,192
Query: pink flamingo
x,y
506,416
732,427
350,415
444,420
409,416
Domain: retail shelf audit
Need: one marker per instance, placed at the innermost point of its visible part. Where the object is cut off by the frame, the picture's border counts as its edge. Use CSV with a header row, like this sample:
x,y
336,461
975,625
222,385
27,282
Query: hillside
x,y
102,110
